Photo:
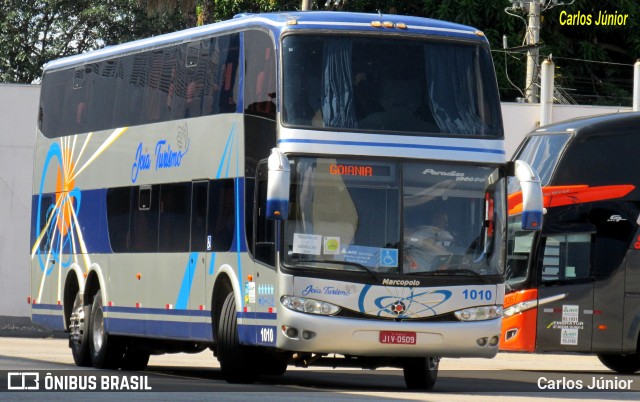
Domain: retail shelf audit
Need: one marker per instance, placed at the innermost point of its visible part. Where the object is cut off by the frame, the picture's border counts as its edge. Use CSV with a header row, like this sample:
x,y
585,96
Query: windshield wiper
x,y
452,271
373,274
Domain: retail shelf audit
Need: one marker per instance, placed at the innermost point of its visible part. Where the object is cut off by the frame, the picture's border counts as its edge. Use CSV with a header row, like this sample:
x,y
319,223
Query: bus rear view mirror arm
x,y
532,201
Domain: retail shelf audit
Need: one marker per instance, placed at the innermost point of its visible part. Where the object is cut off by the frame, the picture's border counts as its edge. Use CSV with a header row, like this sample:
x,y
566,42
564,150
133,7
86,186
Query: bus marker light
x,y
376,24
602,327
59,302
110,304
168,306
250,278
138,305
201,307
270,310
138,276
401,25
388,24
28,299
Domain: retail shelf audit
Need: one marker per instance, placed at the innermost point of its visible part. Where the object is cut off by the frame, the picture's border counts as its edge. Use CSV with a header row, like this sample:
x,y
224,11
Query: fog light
x,y
494,340
511,334
306,335
290,332
481,341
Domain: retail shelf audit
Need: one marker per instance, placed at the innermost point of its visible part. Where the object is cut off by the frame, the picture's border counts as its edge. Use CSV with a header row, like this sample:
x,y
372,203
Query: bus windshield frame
x,y
399,218
388,84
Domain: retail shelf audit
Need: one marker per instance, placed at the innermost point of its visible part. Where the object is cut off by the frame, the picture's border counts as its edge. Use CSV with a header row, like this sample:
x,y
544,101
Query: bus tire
x,y
421,372
623,364
135,360
232,355
81,322
106,351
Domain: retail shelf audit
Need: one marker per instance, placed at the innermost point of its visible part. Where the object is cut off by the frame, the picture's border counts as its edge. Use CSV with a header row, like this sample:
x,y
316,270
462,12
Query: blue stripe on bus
x,y
226,153
44,306
54,322
157,311
254,315
391,145
254,335
187,279
194,331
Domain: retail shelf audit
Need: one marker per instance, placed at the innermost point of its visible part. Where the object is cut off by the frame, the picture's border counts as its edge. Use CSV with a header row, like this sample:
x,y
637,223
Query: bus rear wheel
x,y
79,327
624,364
421,372
234,358
107,351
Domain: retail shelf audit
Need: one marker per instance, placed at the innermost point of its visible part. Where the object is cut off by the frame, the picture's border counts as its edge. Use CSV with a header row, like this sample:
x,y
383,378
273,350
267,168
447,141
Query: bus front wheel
x,y
234,357
624,364
421,372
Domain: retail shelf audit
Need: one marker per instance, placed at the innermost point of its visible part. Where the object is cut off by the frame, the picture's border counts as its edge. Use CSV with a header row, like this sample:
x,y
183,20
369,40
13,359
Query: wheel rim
x,y
98,329
77,323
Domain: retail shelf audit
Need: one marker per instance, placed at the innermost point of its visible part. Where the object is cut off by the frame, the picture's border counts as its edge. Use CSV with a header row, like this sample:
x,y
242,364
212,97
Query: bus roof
x,y
614,123
279,23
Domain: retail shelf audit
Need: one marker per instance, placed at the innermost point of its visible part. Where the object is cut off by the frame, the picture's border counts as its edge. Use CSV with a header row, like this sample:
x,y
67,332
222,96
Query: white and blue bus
x,y
267,187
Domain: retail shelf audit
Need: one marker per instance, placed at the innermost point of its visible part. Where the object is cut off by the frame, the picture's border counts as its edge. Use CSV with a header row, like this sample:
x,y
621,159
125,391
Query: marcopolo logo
x,y
400,282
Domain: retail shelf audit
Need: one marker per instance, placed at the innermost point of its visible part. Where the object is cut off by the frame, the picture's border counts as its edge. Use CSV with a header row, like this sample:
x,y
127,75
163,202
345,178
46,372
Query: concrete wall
x,y
522,118
18,112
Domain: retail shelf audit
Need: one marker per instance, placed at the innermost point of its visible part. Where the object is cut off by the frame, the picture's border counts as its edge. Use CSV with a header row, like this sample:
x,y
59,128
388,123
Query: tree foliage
x,y
594,63
33,32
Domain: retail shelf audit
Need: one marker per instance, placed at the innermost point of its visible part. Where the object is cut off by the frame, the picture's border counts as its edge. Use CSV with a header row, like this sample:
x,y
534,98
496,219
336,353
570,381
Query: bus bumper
x,y
359,337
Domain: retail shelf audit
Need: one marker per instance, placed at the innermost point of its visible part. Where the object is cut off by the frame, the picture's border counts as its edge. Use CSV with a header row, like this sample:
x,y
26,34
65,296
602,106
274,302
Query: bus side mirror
x,y
532,202
278,181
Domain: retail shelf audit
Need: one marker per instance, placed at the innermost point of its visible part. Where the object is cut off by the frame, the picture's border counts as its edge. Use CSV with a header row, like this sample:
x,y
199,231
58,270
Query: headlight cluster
x,y
520,307
310,306
479,313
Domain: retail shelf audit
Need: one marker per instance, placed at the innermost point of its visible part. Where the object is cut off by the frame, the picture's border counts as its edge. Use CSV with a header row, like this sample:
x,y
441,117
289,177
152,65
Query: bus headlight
x,y
479,313
310,306
520,307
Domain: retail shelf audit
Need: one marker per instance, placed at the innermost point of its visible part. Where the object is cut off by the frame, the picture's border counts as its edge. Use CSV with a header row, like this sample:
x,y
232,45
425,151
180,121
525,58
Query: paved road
x,y
197,377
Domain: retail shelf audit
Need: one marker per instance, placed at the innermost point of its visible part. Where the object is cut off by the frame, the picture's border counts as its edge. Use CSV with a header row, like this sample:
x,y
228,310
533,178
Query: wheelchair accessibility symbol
x,y
389,257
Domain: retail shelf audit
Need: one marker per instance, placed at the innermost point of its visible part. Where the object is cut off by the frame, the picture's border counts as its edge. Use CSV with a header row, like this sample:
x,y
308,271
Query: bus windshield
x,y
345,215
542,153
390,84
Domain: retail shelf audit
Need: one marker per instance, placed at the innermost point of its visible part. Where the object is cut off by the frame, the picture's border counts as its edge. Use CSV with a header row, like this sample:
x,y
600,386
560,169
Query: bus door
x,y
199,258
265,264
565,292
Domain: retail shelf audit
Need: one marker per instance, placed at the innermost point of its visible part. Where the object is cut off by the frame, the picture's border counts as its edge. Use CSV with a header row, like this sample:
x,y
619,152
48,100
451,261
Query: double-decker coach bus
x,y
250,186
575,285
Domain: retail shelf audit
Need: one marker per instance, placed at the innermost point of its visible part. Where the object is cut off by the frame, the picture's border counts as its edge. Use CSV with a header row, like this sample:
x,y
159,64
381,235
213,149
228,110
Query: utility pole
x,y
533,38
306,5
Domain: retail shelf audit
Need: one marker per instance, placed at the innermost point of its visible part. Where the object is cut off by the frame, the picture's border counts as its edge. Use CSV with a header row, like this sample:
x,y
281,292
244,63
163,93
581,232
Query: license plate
x,y
398,337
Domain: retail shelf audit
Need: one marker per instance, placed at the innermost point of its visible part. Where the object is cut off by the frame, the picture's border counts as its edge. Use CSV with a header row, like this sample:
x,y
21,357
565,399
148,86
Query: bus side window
x,y
264,250
567,257
118,217
144,220
221,214
260,75
175,208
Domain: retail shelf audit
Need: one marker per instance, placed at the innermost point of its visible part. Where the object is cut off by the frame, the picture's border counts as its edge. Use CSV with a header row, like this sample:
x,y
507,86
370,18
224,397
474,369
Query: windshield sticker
x,y
331,245
307,244
369,256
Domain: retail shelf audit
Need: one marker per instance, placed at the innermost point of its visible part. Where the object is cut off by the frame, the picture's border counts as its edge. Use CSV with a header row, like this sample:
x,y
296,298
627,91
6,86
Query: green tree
x,y
33,32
